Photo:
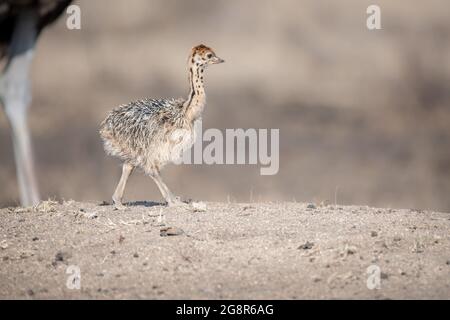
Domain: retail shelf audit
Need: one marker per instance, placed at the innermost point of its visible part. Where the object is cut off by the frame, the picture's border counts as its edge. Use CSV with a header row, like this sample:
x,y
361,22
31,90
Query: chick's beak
x,y
218,60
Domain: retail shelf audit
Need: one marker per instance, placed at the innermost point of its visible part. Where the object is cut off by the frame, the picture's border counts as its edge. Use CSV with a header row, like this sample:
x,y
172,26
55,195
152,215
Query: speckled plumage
x,y
150,133
141,132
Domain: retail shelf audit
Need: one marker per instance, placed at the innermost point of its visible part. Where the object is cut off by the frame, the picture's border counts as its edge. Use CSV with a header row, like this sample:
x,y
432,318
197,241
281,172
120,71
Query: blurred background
x,y
364,116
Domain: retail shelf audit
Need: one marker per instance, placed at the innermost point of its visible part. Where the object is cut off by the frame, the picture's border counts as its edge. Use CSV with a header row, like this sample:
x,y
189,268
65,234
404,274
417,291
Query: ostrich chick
x,y
150,133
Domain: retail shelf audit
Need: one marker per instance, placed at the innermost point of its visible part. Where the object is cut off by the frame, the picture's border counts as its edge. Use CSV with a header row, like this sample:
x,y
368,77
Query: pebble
x,y
3,245
306,246
170,231
199,206
62,256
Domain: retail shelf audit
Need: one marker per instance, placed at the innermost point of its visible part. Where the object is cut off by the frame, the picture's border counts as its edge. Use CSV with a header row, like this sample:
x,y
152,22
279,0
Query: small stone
x,y
310,206
306,246
351,250
199,206
384,275
35,239
62,256
373,234
88,215
170,231
3,245
136,255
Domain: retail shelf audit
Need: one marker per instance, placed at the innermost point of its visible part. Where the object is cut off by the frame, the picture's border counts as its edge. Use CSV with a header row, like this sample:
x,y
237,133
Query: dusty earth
x,y
224,251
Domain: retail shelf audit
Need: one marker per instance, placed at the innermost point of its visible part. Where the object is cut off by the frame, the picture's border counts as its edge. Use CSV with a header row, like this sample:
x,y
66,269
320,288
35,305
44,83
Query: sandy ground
x,y
228,251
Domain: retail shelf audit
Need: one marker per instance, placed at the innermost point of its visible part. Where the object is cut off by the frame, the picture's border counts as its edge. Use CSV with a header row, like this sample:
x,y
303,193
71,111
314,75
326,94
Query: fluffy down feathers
x,y
147,133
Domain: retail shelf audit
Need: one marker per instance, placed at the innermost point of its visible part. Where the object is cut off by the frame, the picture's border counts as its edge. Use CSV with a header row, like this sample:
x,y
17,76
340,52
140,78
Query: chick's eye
x,y
209,55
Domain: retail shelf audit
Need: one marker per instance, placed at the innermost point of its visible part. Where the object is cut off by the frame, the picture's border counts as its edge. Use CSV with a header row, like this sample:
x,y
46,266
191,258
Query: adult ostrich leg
x,y
15,93
20,25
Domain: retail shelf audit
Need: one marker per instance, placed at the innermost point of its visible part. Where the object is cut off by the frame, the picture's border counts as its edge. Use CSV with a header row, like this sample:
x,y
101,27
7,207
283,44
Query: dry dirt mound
x,y
223,251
